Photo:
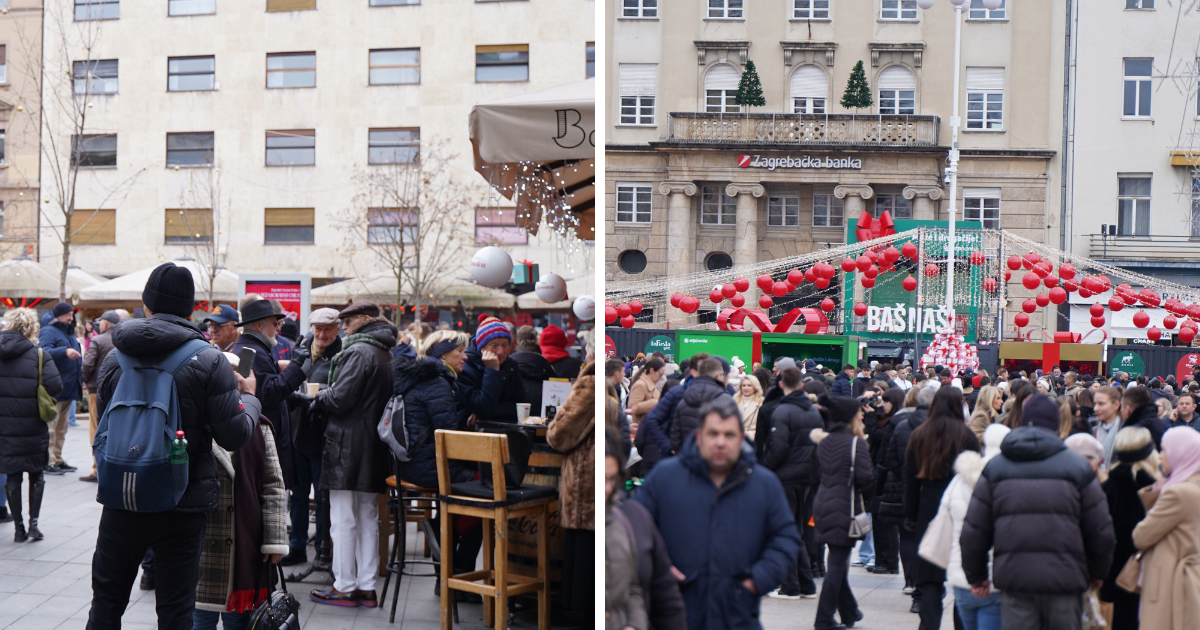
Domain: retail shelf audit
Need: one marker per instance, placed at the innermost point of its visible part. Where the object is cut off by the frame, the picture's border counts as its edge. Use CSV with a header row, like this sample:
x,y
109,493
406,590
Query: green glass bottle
x,y
179,449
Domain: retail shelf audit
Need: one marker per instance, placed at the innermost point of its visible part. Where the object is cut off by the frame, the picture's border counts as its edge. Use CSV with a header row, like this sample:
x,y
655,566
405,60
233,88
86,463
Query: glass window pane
x,y
1143,98
1130,108
291,62
191,64
502,73
1138,67
192,7
289,234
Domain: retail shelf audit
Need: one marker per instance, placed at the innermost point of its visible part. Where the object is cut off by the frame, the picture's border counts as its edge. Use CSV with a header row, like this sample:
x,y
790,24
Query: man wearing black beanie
x,y
215,404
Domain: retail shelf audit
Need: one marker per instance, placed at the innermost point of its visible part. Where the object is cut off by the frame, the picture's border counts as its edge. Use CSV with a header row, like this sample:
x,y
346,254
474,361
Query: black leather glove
x,y
300,398
910,526
312,405
300,354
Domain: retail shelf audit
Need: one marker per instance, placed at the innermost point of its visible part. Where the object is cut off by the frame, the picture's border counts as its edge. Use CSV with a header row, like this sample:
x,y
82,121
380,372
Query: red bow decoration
x,y
815,322
870,228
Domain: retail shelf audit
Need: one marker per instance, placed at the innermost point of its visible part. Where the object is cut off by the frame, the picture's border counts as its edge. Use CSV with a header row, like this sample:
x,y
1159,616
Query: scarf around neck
x,y
350,340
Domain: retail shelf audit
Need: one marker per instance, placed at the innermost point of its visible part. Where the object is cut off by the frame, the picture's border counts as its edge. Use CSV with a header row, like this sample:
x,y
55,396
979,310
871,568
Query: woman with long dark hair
x,y
886,534
934,446
1018,392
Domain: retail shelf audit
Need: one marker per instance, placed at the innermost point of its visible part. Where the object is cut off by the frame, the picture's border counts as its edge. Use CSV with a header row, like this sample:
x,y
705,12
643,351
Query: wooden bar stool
x,y
495,506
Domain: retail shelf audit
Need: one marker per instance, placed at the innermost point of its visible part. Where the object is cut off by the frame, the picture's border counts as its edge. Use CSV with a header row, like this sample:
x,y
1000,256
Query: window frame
x,y
289,134
1135,198
635,212
285,71
371,67
986,14
198,134
901,7
829,202
414,141
522,50
983,196
784,210
91,76
511,233
726,9
1141,5
267,224
1195,210
811,10
640,9
809,107
1138,91
82,140
723,207
212,73
172,2
404,228
624,270
895,200
3,64
983,120
103,3
201,239
898,98
725,105
640,102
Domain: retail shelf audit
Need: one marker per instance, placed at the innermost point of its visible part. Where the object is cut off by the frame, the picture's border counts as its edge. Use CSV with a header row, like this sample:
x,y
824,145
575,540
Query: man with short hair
x,y
653,439
724,519
1184,413
1139,410
1106,403
708,385
843,384
1070,385
57,340
1001,373
97,351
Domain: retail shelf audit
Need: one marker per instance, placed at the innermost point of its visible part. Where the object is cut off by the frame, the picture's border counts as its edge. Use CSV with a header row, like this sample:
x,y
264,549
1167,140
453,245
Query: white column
x,y
681,237
924,200
745,248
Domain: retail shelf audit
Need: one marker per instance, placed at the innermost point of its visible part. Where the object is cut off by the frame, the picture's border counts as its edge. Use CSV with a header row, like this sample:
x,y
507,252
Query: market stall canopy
x,y
128,288
79,278
538,149
26,278
575,288
381,288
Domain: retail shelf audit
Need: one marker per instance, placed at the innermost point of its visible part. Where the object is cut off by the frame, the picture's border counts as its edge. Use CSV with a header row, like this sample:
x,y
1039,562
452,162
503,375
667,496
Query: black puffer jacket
x,y
208,398
24,436
534,369
891,503
842,386
492,395
687,412
877,442
428,389
1126,510
831,509
308,429
273,388
355,458
1147,416
762,431
1039,507
790,450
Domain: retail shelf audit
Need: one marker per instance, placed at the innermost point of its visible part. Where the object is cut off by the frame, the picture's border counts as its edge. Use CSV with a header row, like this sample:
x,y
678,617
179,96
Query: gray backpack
x,y
393,430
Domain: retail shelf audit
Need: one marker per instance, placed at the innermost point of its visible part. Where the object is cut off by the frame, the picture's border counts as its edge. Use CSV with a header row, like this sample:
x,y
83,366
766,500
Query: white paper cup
x,y
313,388
522,411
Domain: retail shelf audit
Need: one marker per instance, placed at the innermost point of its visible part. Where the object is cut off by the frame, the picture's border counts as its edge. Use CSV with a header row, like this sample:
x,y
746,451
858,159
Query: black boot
x,y
12,491
37,486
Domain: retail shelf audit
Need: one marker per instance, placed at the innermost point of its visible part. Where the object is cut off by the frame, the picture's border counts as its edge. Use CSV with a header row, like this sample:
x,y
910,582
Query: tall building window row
x,y
636,91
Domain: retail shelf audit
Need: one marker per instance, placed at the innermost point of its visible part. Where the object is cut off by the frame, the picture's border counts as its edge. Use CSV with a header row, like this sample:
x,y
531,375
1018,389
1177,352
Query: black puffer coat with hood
x,y
428,389
687,412
892,469
790,449
832,471
24,436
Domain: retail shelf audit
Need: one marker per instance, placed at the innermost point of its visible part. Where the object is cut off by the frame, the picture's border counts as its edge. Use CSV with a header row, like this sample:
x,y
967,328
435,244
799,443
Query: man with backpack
x,y
144,509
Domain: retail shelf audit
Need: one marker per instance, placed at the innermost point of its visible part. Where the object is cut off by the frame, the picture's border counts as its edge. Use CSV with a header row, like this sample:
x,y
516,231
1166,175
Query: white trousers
x,y
354,529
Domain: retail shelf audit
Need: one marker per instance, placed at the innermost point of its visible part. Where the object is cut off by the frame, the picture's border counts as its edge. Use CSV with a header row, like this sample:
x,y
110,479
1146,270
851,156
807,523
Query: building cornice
x,y
804,46
916,48
740,46
1036,154
667,145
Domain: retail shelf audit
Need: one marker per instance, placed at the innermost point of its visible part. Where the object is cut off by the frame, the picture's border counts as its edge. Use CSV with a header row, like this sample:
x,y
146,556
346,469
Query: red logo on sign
x,y
743,160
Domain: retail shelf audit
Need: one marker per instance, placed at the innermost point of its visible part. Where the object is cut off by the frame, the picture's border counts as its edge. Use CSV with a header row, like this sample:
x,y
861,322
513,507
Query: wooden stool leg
x,y
489,602
502,568
543,570
446,567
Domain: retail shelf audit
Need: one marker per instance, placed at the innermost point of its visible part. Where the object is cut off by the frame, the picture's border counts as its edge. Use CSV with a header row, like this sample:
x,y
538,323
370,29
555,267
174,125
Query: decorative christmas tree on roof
x,y
749,92
858,91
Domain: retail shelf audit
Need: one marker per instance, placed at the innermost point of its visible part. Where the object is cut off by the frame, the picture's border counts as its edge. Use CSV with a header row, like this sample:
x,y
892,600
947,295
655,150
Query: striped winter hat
x,y
489,329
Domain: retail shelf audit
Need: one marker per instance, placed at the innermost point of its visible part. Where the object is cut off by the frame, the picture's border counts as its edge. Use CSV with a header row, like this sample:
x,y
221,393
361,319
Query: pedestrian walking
x,y
1138,410
987,410
93,358
57,338
215,405
1185,412
725,520
24,436
1136,468
572,432
707,386
749,399
653,440
490,386
624,598
643,390
885,530
895,486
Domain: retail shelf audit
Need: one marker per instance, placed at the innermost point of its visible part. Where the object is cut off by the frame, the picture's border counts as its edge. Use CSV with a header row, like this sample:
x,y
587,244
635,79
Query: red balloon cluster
x,y
909,250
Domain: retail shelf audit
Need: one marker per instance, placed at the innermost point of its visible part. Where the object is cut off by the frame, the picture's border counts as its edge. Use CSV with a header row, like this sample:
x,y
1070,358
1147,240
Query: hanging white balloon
x,y
551,288
585,308
925,4
992,5
491,267
957,3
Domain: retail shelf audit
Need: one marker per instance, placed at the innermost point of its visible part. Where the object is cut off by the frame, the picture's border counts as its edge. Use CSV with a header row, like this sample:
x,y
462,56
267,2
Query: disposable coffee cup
x,y
522,411
313,388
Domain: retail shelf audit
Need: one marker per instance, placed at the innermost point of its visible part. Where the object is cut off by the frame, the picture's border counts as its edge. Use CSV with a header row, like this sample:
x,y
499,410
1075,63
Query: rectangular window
x,y
982,205
191,7
1139,4
810,9
290,5
95,77
392,226
893,203
393,146
590,63
184,226
502,63
393,3
190,149
396,66
980,12
985,98
898,10
498,226
97,10
828,210
94,227
292,70
726,9
3,64
783,211
1137,87
639,8
93,151
636,87
288,226
292,147
634,203
1195,206
3,144
720,101
897,102
1133,206
808,105
189,74
716,207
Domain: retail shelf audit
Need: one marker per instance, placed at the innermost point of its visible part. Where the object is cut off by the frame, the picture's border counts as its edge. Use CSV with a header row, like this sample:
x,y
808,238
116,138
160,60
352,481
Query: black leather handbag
x,y
280,610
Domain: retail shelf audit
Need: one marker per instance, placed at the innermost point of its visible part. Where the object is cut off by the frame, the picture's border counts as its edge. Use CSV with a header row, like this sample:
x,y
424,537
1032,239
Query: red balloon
x,y
810,275
848,265
737,301
728,290
1149,298
779,289
1097,322
764,282
796,277
635,307
977,257
826,270
1029,306
910,284
766,302
1115,304
1041,269
1031,281
872,255
1105,283
689,304
1084,293
1186,335
1030,260
1154,334
989,284
1169,322
909,250
1021,320
931,270
675,298
1050,281
610,315
1058,295
822,283
1014,262
1141,319
1070,285
1126,293
1193,310
891,254
1007,275
1042,299
715,296
860,309
623,310
871,272
1096,309
862,263
790,287
741,284
627,321
1066,271
827,305
867,282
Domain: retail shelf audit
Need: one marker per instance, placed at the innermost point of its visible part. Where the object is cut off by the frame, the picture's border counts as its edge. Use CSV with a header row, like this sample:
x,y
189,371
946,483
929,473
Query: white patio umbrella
x,y
381,288
575,288
27,278
128,288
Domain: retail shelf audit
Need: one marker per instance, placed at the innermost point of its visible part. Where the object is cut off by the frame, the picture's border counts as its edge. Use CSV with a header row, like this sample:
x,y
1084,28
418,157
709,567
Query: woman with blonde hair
x,y
24,436
1164,408
749,399
987,409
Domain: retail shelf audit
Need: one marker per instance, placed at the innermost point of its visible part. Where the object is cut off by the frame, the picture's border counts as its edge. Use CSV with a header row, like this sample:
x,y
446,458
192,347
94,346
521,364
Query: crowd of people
x,y
299,427
1047,500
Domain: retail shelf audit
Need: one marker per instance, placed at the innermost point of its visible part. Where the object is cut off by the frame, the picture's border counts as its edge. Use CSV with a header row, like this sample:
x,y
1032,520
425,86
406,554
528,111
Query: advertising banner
x,y
291,289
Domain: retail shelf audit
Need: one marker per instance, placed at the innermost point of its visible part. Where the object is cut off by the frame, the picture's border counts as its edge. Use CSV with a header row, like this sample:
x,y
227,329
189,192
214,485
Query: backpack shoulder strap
x,y
177,359
41,362
126,362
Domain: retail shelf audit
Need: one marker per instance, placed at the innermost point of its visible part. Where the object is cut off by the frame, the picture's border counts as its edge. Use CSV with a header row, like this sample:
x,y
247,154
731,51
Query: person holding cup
x,y
489,386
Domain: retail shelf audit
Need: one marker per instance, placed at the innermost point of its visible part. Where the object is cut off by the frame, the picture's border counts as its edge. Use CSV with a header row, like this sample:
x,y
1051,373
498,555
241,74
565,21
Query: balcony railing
x,y
1149,247
832,129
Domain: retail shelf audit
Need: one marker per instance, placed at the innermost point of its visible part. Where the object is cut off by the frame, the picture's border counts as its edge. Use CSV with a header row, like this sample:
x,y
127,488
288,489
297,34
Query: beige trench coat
x,y
1170,538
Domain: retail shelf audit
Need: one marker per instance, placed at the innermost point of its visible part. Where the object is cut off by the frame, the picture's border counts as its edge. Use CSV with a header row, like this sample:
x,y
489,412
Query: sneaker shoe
x,y
89,478
808,595
778,594
367,599
295,556
908,588
67,467
331,597
54,470
856,563
147,583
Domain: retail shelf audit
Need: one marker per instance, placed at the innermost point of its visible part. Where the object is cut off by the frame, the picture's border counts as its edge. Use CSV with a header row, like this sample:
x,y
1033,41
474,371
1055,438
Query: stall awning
x,y
1185,158
381,288
129,287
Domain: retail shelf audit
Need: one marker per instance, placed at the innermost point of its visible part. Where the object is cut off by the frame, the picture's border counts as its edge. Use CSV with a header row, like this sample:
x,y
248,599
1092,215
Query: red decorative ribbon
x,y
815,321
870,228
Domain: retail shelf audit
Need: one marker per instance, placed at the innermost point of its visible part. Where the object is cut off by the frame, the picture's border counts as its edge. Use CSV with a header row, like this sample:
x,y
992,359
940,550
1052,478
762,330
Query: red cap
x,y
975,380
179,434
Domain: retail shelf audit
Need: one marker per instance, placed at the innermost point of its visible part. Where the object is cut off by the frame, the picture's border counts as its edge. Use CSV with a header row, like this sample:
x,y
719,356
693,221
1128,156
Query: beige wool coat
x,y
1169,536
572,432
643,396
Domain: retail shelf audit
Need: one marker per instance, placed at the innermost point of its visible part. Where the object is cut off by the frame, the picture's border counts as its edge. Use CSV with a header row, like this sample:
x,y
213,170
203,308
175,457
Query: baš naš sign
x,y
771,163
905,319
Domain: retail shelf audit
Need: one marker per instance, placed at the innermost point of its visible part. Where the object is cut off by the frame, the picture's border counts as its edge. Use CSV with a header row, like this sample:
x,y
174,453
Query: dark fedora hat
x,y
258,309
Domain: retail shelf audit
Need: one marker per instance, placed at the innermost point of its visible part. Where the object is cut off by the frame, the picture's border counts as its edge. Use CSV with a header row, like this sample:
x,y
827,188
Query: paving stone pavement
x,y
46,585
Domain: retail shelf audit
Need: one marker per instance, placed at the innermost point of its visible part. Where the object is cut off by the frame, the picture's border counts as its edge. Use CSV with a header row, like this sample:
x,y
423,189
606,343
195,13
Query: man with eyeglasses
x,y
222,327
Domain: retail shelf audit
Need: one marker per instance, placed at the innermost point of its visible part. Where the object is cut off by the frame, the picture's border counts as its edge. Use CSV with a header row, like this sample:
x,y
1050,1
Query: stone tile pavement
x,y
46,585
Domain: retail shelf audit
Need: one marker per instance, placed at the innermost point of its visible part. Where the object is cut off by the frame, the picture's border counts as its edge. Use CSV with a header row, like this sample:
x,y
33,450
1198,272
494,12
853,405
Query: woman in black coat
x,y
928,470
841,453
1137,468
886,534
24,436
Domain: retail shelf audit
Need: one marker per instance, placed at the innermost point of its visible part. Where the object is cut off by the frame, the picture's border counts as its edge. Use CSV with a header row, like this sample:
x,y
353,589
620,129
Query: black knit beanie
x,y
1040,411
170,290
841,409
62,308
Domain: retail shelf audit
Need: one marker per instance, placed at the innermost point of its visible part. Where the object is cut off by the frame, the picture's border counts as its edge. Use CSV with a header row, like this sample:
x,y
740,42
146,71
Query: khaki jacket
x,y
1170,539
643,396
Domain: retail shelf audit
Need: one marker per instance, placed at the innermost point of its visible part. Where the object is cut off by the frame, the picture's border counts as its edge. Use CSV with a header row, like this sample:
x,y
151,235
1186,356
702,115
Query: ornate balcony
x,y
804,129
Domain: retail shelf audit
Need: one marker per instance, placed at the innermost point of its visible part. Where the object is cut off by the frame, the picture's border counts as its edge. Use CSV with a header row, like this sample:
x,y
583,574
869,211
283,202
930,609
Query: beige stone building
x,y
20,46
695,182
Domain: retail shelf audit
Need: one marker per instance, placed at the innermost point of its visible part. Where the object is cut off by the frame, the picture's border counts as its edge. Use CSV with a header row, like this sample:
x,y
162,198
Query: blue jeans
x,y
977,613
308,475
72,422
866,549
207,620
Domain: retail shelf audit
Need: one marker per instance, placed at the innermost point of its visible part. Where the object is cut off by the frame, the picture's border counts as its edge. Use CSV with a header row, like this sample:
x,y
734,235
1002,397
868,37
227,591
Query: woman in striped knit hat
x,y
490,387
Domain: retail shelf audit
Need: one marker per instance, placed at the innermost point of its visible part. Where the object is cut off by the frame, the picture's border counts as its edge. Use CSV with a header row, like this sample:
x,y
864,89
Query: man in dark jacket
x,y
534,368
1139,410
654,433
843,383
705,387
490,386
97,351
355,463
789,455
891,507
1039,506
1184,414
725,520
57,339
210,409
